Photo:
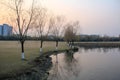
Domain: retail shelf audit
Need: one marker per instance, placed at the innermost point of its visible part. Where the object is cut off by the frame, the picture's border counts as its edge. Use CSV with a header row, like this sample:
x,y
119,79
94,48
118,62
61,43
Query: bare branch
x,y
31,16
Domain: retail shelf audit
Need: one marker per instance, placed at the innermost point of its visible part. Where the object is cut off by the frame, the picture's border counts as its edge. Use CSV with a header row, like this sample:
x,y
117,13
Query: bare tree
x,y
41,25
57,23
22,19
70,32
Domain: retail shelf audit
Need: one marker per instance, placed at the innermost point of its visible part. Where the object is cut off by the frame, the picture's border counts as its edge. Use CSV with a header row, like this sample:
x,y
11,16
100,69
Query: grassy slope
x,y
10,54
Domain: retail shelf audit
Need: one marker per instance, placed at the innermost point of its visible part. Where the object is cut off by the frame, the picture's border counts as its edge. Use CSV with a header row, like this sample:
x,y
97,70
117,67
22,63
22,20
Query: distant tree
x,y
41,25
69,35
57,23
119,37
70,32
23,19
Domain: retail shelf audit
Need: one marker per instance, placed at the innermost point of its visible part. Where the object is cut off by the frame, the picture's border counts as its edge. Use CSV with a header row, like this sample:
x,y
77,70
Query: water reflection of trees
x,y
65,68
56,70
72,64
119,49
99,49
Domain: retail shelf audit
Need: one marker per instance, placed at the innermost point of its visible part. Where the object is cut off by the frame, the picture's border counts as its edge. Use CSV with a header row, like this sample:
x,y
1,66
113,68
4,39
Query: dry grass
x,y
10,54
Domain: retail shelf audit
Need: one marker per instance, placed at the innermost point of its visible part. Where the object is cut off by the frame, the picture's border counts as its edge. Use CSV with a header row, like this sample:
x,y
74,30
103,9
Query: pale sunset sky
x,y
95,16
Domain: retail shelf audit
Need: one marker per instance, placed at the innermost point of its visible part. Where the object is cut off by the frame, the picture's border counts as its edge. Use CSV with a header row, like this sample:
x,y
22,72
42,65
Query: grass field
x,y
10,55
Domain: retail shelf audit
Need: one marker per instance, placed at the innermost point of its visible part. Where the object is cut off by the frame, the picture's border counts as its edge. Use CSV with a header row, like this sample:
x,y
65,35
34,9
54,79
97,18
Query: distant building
x,y
5,30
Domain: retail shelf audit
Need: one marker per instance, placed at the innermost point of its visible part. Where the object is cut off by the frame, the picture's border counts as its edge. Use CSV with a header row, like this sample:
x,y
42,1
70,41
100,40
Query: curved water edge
x,y
86,64
40,71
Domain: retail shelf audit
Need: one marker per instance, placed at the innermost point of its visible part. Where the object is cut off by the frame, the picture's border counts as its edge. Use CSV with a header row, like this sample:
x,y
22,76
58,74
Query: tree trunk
x,y
41,45
56,45
22,50
56,58
70,44
73,44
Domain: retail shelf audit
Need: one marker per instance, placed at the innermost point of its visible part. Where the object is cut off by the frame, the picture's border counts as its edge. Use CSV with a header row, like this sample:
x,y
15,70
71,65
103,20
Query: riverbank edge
x,y
97,44
34,63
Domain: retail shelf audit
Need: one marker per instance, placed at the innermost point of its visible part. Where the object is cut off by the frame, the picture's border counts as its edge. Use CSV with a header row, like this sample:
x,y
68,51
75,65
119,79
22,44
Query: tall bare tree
x,y
23,19
41,25
57,23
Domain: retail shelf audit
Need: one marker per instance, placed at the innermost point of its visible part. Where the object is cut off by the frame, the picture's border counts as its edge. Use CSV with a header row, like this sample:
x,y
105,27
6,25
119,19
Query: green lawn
x,y
10,54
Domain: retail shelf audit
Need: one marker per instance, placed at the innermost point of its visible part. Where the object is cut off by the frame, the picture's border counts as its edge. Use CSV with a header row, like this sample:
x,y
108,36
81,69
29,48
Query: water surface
x,y
87,64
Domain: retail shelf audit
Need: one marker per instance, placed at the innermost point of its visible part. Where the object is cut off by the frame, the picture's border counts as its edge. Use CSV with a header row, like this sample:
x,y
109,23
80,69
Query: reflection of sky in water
x,y
87,64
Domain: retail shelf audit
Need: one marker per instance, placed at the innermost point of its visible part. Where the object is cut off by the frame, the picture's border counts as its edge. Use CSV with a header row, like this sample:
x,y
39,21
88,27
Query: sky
x,y
95,16
100,17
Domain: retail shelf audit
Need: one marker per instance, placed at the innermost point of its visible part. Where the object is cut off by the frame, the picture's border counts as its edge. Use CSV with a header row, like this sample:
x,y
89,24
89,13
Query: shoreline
x,y
10,56
39,63
97,44
39,69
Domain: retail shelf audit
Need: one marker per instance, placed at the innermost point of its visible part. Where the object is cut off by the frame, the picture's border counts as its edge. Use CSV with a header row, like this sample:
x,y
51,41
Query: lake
x,y
86,64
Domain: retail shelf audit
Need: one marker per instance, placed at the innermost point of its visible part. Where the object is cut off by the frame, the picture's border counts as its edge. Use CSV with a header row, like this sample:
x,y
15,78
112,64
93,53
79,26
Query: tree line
x,y
37,22
77,38
97,38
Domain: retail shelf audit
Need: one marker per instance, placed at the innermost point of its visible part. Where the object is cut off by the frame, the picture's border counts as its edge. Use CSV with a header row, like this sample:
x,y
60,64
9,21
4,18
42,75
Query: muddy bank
x,y
38,72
